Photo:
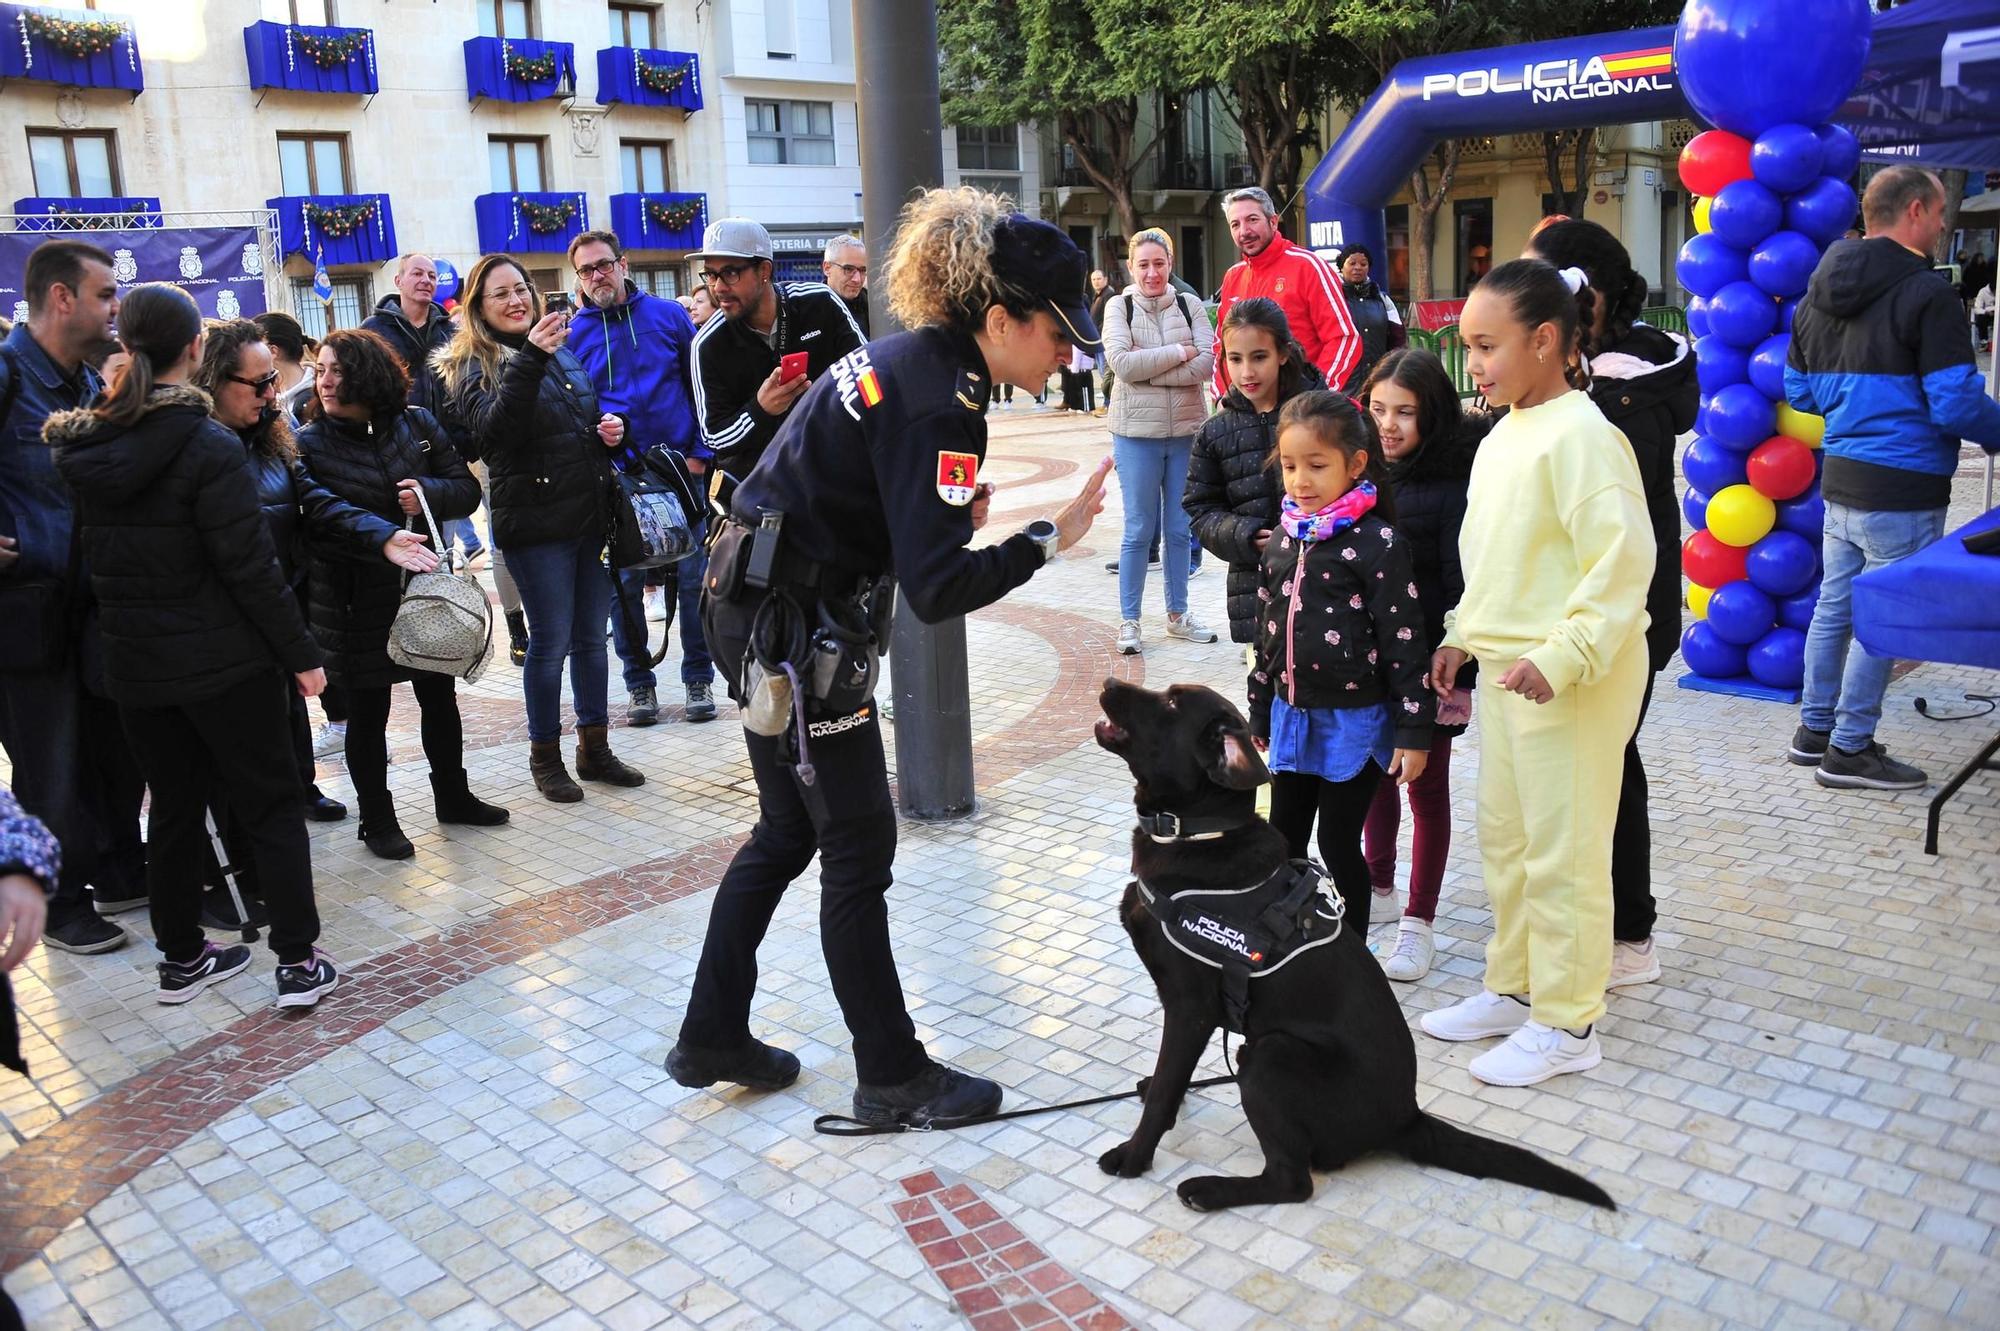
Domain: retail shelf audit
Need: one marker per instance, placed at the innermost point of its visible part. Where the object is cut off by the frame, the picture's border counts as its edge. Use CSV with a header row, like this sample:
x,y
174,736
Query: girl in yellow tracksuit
x,y
1558,554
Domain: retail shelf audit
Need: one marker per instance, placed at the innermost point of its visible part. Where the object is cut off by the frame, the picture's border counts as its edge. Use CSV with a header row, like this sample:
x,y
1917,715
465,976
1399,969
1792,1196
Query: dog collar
x,y
1170,827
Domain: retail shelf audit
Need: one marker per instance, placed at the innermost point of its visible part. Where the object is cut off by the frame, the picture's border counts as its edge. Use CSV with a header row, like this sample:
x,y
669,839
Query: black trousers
x,y
851,823
1342,809
73,770
239,740
368,727
1632,907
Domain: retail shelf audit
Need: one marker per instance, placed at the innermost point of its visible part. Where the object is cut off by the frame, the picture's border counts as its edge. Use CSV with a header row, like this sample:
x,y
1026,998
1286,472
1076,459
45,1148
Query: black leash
x,y
840,1125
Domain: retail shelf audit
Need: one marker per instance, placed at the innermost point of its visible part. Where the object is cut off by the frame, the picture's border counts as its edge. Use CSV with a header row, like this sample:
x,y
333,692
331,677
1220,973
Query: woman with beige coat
x,y
1160,348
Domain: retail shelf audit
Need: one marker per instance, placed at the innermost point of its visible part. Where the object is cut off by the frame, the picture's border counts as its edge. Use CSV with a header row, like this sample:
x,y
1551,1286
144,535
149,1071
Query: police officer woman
x,y
872,482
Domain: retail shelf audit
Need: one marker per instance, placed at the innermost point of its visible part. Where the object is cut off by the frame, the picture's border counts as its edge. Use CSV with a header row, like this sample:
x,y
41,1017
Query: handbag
x,y
444,623
653,514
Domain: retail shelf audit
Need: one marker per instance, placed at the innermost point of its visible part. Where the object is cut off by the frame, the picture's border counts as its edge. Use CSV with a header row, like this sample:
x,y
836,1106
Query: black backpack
x,y
1180,299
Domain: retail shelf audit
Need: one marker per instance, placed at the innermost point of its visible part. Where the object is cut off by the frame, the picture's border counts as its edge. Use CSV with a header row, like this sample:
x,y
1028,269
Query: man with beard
x,y
1299,280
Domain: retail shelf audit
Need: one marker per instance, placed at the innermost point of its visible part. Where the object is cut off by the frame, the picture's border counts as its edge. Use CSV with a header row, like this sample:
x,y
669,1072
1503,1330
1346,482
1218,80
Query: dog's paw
x,y
1125,1161
1202,1194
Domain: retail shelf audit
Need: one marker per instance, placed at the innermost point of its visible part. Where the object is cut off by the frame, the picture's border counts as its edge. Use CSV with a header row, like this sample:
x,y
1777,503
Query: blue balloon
x,y
1778,660
1822,211
1707,264
1749,65
1741,614
1783,264
1718,365
1767,365
1707,653
1783,564
1741,418
1697,317
1796,612
1741,314
1694,507
1840,152
1710,467
1788,310
1805,515
1786,158
1744,213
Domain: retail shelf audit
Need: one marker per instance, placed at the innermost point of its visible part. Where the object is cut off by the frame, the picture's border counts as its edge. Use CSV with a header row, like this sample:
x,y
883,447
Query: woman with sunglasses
x,y
525,406
366,444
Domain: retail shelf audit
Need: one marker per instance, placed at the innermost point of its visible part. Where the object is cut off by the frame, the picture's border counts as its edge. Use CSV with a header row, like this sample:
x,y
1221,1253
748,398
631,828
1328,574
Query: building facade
x,y
461,127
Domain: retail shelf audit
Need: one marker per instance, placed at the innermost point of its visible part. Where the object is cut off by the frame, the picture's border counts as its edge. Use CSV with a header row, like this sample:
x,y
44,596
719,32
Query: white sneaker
x,y
1412,958
1633,963
1128,636
1480,1017
330,740
1196,571
656,605
1190,628
1536,1053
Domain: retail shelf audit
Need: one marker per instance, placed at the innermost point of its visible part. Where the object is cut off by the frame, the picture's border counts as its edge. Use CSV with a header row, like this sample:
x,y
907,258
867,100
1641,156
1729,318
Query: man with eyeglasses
x,y
635,347
741,394
845,264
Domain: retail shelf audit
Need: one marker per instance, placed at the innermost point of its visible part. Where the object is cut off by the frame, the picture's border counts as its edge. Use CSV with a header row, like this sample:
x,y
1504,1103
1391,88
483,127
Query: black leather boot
x,y
454,801
517,637
380,831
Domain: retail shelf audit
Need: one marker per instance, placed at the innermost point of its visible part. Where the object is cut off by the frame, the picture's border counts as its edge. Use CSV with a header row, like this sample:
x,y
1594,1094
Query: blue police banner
x,y
221,267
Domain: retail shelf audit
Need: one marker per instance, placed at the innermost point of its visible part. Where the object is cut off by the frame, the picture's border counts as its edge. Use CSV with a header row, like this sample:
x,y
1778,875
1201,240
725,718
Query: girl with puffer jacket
x,y
1233,493
367,446
524,405
1427,446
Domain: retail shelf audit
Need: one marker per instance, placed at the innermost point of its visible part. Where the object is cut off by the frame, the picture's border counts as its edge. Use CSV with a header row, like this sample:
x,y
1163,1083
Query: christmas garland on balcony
x,y
339,221
330,52
79,39
673,216
535,69
547,219
662,79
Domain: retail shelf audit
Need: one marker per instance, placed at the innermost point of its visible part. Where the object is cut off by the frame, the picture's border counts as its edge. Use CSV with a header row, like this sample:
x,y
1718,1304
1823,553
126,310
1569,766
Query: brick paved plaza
x,y
1800,1122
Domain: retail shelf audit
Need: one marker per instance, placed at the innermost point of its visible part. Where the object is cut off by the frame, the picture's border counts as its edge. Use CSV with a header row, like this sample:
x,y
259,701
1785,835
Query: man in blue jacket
x,y
1879,348
636,348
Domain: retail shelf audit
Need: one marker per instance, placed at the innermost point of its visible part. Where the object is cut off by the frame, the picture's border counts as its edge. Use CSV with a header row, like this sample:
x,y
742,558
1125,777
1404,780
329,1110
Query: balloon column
x,y
1772,190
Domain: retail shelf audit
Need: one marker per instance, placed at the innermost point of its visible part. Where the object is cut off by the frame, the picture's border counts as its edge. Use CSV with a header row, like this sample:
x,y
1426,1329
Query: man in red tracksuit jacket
x,y
1296,278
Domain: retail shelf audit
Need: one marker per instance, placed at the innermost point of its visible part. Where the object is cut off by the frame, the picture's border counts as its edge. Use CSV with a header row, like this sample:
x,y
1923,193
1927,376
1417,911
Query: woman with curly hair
x,y
366,445
876,472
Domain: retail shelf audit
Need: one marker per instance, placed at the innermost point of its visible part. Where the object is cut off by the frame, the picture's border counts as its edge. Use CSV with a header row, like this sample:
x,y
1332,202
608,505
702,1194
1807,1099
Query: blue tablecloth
x,y
1940,604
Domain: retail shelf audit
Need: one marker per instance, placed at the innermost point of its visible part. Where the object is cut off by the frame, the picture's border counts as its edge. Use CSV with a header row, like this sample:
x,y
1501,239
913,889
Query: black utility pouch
x,y
728,561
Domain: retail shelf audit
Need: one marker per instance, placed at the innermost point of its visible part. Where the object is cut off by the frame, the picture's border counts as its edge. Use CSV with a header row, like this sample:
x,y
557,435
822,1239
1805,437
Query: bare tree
x,y
1423,220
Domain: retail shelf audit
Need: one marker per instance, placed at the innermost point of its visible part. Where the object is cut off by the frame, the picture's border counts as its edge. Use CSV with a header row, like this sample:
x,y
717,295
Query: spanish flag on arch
x,y
1635,64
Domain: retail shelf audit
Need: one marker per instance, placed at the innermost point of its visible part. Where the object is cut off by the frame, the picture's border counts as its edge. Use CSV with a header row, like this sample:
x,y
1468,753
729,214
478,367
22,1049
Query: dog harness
x,y
1248,933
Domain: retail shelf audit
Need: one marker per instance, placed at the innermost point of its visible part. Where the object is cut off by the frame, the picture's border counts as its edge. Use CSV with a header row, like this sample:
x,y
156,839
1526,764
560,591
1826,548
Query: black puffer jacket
x,y
1232,495
1380,325
549,474
1646,387
1429,490
192,602
354,596
293,503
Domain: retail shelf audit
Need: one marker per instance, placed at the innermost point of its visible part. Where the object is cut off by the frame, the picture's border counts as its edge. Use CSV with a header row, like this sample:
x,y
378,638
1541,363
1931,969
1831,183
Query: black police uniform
x,y
874,472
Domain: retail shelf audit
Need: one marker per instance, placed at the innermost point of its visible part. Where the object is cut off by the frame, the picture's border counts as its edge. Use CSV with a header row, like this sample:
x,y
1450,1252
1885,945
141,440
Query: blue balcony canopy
x,y
69,46
659,221
310,59
527,223
518,69
641,77
336,228
86,214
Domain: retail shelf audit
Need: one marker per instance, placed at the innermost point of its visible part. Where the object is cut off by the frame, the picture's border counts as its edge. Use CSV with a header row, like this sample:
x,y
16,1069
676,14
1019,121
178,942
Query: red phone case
x,y
792,367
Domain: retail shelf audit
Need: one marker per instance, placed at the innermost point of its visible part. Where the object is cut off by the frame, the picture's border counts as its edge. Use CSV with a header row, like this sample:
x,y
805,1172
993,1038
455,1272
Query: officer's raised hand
x,y
551,332
775,398
1075,517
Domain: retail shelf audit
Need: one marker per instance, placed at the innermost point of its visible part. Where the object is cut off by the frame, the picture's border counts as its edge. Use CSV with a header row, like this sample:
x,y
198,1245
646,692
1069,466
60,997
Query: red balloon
x,y
1713,159
1781,468
1710,563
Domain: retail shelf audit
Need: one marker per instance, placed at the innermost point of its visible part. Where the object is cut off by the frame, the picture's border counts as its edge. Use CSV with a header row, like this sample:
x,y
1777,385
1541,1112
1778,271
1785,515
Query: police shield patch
x,y
957,478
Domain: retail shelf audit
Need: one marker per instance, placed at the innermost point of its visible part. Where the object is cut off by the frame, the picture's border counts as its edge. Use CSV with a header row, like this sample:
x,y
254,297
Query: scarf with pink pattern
x,y
1342,512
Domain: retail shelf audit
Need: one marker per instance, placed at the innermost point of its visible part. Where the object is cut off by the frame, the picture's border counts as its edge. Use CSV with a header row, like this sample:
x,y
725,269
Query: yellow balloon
x,y
1698,599
1739,516
1701,215
1802,426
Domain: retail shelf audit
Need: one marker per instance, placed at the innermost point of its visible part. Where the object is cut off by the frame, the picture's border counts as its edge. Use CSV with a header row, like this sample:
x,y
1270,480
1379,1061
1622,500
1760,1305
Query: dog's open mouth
x,y
1110,734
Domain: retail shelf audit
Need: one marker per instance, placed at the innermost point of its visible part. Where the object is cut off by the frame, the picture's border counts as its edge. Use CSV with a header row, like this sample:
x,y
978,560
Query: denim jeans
x,y
462,533
566,591
1843,688
684,583
1152,473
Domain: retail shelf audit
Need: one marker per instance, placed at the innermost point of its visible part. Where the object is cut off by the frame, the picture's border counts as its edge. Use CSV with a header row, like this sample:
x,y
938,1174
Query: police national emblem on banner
x,y
957,478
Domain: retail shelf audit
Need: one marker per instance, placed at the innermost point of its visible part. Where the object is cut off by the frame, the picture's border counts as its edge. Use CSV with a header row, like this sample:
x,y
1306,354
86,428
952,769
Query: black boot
x,y
517,637
380,831
455,802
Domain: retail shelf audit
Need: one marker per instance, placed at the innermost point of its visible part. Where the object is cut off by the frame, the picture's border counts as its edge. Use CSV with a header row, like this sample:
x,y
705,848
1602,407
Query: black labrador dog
x,y
1326,1069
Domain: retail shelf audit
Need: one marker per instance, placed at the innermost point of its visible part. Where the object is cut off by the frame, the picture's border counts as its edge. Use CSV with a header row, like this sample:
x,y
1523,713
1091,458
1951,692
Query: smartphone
x,y
792,367
558,303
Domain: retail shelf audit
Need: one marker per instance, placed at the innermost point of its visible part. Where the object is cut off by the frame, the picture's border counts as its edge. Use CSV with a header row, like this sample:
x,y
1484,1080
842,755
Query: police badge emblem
x,y
253,260
957,478
124,267
226,304
190,262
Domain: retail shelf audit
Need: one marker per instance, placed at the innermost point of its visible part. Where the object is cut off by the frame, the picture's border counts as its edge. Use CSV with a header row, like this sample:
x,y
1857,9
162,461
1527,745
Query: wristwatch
x,y
1044,534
